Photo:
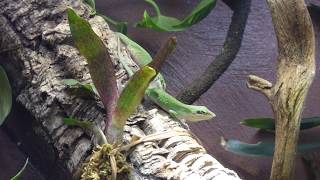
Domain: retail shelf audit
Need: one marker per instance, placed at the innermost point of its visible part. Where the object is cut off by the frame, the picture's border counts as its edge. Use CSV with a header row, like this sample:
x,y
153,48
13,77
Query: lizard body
x,y
178,109
156,91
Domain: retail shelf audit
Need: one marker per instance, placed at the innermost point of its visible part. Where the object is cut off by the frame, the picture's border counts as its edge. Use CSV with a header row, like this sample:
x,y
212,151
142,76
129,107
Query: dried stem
x,y
166,49
296,69
228,53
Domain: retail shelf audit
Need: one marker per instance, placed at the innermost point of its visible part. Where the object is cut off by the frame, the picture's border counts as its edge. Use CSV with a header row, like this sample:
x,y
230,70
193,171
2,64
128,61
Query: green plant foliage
x,y
308,123
120,26
260,123
92,4
132,95
169,24
5,96
141,57
75,122
99,61
139,53
269,125
260,149
314,7
18,175
85,89
87,125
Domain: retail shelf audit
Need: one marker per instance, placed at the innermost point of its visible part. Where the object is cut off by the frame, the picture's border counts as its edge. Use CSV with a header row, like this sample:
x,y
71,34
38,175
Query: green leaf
x,y
132,96
169,24
260,123
120,26
5,96
76,122
308,123
99,61
140,55
269,125
92,5
314,7
83,90
260,149
88,126
18,175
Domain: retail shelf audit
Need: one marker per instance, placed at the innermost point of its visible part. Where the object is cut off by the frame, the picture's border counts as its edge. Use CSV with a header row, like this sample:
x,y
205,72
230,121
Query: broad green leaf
x,y
166,23
132,95
120,26
5,96
18,175
141,57
99,61
314,7
260,123
269,125
76,122
88,89
308,123
261,149
92,5
88,126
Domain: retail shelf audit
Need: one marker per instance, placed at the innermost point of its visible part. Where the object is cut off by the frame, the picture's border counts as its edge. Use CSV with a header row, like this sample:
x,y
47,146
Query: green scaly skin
x,y
178,109
141,57
156,91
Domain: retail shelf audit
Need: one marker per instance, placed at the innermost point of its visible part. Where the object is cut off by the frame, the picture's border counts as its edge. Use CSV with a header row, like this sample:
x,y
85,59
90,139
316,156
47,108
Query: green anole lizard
x,y
157,94
178,109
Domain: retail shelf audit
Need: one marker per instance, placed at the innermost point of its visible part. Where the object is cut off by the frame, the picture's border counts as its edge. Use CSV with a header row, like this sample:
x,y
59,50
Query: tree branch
x,y
296,69
259,84
228,53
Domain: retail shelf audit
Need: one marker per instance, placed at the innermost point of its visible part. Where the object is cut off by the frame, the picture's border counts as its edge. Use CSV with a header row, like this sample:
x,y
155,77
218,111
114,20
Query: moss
x,y
99,167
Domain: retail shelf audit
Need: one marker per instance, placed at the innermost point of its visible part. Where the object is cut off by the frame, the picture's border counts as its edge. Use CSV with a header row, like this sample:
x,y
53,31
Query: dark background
x,y
228,97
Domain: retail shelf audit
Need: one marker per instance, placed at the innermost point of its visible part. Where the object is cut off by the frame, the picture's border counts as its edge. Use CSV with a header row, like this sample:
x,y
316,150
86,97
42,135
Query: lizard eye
x,y
201,112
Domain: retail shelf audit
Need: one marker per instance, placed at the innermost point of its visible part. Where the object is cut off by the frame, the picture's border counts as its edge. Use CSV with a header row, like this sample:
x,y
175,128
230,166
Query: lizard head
x,y
199,113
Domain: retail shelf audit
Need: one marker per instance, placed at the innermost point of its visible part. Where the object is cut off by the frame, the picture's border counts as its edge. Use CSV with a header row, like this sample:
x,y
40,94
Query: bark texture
x,y
46,56
226,56
296,70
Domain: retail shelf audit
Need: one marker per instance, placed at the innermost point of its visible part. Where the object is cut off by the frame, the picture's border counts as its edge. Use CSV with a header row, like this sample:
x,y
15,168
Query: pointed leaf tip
x,y
99,60
129,100
5,96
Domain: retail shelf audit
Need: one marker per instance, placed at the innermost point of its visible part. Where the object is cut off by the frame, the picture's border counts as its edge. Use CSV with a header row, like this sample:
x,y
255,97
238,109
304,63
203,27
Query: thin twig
x,y
261,85
165,50
228,53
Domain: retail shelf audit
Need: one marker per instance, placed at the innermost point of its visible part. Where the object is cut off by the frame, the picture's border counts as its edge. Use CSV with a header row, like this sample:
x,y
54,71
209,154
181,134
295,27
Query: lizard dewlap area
x,y
178,109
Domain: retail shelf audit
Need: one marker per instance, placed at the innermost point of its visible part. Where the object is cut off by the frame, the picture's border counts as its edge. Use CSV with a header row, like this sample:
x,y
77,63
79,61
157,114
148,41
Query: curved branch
x,y
228,53
296,70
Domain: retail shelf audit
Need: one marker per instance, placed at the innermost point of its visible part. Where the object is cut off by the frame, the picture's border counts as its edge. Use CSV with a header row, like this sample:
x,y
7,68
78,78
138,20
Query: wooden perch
x,y
220,64
296,70
46,57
